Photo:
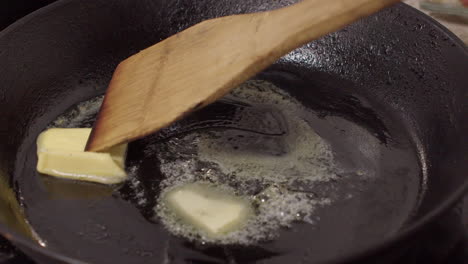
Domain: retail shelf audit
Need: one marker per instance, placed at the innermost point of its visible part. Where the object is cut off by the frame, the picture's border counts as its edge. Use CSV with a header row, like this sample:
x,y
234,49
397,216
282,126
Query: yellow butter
x,y
213,211
61,153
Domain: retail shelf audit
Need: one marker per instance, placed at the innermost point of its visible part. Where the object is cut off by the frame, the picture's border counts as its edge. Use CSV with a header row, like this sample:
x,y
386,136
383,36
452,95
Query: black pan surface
x,y
387,93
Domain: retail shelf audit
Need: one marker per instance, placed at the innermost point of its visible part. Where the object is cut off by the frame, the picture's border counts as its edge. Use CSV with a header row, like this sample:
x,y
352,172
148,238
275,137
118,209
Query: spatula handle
x,y
308,20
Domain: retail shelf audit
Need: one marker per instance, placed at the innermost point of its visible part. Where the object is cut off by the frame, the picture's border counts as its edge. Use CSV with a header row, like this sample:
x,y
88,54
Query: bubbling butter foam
x,y
81,115
260,166
268,153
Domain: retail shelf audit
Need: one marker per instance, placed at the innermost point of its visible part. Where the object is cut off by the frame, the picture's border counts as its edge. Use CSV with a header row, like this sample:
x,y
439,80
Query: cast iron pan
x,y
388,92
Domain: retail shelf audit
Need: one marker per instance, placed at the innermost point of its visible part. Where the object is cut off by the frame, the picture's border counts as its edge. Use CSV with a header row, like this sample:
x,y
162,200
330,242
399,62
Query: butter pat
x,y
214,211
61,153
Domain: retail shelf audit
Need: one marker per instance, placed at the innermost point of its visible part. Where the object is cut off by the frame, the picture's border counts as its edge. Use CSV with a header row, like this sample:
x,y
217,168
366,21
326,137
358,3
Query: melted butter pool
x,y
264,155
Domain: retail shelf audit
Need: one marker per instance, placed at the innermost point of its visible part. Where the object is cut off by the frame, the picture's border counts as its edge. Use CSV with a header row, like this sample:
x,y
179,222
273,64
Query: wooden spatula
x,y
193,68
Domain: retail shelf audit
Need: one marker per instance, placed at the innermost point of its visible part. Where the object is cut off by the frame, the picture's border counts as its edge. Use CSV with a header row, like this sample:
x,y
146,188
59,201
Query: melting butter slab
x,y
212,210
61,153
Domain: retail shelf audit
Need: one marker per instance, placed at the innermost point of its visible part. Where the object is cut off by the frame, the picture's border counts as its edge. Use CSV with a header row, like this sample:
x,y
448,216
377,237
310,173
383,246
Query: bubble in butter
x,y
61,154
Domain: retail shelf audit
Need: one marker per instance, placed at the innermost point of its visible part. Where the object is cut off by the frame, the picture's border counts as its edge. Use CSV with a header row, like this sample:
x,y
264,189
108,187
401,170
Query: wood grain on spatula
x,y
193,68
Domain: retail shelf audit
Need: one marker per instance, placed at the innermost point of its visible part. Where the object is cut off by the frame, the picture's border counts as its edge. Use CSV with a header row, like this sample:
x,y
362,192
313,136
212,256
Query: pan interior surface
x,y
366,196
387,104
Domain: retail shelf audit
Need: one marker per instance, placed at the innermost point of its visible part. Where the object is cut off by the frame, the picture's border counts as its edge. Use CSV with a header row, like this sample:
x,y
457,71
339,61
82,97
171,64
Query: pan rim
x,y
362,253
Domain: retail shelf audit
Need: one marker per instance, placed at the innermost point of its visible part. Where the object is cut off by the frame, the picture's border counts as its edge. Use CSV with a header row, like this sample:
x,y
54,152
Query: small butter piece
x,y
214,211
61,153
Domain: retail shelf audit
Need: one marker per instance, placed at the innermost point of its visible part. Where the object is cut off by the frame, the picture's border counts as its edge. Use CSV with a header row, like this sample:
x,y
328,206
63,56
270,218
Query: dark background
x,y
12,10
